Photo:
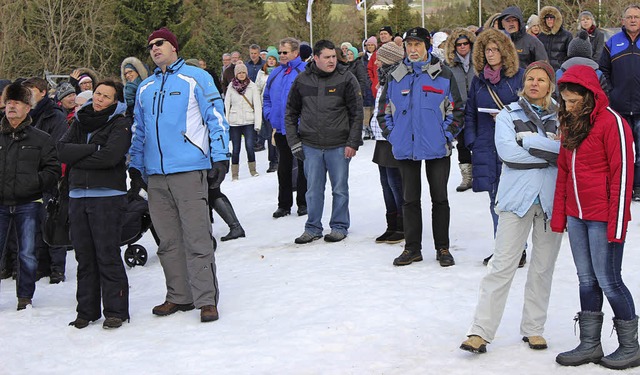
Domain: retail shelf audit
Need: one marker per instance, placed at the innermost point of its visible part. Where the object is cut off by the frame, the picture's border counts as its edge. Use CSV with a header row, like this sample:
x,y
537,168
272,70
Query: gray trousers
x,y
494,288
180,215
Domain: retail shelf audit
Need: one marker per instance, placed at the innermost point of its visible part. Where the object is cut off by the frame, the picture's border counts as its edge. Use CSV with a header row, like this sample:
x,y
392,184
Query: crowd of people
x,y
552,160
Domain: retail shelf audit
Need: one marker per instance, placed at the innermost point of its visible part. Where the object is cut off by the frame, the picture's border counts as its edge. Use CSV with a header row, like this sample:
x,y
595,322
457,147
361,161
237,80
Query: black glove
x,y
137,183
217,173
296,150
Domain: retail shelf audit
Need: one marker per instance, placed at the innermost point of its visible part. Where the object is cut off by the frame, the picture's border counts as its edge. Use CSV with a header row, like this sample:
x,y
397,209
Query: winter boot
x,y
392,225
407,257
235,168
590,348
224,208
628,353
398,235
252,169
465,184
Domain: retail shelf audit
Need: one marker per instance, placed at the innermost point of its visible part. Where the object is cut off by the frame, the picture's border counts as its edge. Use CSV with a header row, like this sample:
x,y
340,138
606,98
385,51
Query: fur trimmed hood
x,y
142,70
91,73
450,43
556,26
510,60
490,21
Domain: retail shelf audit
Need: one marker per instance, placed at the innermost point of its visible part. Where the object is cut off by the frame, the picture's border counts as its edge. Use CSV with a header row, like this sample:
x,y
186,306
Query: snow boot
x,y
235,168
590,348
392,225
628,353
252,169
474,344
465,184
224,208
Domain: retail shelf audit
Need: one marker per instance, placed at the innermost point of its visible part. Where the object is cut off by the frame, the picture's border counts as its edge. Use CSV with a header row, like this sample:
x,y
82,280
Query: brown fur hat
x,y
16,91
549,10
450,43
510,60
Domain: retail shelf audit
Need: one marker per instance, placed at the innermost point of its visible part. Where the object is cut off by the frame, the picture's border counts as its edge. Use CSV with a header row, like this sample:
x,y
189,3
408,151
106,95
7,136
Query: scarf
x,y
383,72
240,86
6,128
270,69
591,29
492,75
466,61
130,89
90,120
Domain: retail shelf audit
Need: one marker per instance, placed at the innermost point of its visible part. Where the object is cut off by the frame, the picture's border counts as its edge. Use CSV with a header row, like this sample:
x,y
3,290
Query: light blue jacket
x,y
179,123
528,170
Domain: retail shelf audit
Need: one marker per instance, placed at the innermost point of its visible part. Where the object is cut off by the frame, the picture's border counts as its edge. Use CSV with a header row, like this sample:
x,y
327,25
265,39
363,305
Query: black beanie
x,y
580,46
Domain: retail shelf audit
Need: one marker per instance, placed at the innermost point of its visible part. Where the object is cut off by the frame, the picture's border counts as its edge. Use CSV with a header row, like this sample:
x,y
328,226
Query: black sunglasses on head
x,y
158,43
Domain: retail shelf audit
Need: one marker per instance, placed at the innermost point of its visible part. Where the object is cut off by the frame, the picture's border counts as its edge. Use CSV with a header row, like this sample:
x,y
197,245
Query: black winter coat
x,y
49,118
98,162
28,163
556,46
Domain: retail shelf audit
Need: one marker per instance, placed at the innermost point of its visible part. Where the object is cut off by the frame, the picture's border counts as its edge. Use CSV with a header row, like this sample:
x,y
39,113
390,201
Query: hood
x,y
143,72
556,26
517,13
510,60
587,77
490,20
91,73
450,44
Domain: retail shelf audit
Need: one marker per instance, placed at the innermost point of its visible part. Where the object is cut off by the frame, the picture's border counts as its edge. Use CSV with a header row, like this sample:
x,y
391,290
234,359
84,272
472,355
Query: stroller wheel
x,y
135,255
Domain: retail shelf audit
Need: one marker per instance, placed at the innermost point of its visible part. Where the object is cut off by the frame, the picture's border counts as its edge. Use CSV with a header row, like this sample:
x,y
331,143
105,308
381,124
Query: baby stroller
x,y
135,223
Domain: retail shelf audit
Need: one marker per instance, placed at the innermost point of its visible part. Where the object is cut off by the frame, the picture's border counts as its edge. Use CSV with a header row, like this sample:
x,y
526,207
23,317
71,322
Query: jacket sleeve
x,y
559,215
227,103
510,152
618,141
212,111
58,126
257,107
292,115
385,112
542,147
372,72
538,50
598,45
266,97
471,115
454,110
605,60
111,153
362,76
136,151
70,149
49,170
353,100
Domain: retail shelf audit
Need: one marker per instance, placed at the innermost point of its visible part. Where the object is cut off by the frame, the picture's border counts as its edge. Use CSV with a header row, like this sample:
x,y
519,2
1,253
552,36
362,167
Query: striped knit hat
x,y
390,53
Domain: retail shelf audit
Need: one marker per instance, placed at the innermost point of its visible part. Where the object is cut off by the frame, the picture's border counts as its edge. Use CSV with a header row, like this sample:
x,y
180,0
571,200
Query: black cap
x,y
387,29
418,33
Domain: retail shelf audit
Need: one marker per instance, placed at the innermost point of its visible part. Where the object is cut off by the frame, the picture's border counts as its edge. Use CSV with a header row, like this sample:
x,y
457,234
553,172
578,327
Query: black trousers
x,y
437,176
285,180
95,235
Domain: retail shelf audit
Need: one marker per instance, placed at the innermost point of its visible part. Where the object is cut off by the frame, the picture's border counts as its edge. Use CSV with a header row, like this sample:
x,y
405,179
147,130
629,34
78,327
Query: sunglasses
x,y
550,16
462,44
158,43
283,52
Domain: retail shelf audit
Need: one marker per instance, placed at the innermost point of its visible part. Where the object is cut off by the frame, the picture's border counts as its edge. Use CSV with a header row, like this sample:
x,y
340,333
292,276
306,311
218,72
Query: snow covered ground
x,y
320,308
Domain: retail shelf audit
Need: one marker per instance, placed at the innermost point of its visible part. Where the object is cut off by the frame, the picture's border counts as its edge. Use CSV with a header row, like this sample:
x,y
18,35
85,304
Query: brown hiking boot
x,y
445,258
168,308
536,342
23,302
79,323
208,313
474,344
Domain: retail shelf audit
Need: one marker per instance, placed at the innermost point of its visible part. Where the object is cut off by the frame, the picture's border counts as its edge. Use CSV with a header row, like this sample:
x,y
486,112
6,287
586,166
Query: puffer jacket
x,y
529,48
454,62
620,62
324,110
97,161
555,40
238,110
595,181
276,91
28,163
179,123
528,170
420,110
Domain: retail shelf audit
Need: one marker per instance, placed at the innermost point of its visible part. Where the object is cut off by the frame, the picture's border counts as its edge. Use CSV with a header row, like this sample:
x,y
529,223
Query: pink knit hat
x,y
372,40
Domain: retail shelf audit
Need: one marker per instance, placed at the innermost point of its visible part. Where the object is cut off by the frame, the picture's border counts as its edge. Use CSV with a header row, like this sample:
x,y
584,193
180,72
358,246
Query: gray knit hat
x,y
588,14
64,89
390,53
580,46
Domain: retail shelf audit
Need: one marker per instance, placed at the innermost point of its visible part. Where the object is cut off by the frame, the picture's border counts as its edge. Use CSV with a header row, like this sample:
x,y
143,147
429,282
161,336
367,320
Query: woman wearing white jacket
x,y
243,107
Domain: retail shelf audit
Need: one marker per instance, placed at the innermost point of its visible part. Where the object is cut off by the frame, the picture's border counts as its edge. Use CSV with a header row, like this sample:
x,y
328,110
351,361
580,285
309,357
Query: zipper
x,y
164,78
153,108
575,183
187,140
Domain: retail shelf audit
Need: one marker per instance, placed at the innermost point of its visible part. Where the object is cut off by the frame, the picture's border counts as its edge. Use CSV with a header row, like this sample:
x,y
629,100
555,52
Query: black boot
x,y
224,208
590,348
392,225
398,235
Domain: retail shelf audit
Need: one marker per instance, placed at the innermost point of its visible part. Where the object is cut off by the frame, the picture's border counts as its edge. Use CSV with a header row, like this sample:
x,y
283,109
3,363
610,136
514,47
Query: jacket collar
x,y
171,68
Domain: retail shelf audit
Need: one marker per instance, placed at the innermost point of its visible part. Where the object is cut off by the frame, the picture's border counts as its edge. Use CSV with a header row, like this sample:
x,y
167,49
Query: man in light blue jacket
x,y
179,131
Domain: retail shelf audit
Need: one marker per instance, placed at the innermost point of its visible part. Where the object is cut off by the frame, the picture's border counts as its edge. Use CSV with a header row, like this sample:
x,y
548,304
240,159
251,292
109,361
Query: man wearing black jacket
x,y
324,128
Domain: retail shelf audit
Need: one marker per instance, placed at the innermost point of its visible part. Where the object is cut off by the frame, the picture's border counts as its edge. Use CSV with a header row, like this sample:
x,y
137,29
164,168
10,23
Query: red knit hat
x,y
165,34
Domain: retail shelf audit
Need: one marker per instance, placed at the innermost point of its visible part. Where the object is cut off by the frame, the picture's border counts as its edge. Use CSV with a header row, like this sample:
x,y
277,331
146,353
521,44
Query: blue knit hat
x,y
273,53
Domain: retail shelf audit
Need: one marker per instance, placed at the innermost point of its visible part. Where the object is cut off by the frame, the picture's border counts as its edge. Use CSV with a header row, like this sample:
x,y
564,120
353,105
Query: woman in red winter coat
x,y
592,200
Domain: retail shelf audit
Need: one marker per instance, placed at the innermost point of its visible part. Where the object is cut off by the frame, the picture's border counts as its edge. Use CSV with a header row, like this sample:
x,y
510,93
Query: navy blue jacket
x,y
620,63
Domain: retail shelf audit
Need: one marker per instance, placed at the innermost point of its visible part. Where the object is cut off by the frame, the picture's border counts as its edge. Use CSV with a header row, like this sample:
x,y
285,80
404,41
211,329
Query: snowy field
x,y
320,308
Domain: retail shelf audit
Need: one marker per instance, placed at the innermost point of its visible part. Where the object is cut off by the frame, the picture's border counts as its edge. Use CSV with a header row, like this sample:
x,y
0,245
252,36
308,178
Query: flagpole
x,y
311,30
365,20
423,14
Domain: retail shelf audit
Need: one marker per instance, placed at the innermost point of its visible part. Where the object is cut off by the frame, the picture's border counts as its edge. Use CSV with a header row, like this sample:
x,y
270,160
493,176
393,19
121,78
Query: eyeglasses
x,y
491,51
462,44
158,43
127,72
283,52
632,17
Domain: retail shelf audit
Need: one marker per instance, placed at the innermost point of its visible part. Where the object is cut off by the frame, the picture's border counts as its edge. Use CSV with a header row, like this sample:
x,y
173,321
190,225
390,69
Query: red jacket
x,y
595,180
372,71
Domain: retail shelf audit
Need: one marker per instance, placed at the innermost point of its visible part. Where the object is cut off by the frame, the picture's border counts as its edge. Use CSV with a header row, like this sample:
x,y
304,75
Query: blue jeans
x,y
236,133
599,262
317,163
634,123
391,182
26,219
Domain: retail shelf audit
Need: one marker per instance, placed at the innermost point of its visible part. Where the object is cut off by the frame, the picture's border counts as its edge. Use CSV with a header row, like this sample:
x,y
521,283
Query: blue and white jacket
x,y
620,63
179,123
526,144
276,92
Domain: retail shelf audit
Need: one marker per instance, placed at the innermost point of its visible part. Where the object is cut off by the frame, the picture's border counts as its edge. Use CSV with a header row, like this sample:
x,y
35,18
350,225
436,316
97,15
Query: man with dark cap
x,y
529,48
179,132
28,167
420,114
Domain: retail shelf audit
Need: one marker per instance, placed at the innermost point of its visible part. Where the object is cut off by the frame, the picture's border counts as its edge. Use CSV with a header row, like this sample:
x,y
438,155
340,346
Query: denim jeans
x,y
26,219
317,163
236,133
634,123
599,263
391,189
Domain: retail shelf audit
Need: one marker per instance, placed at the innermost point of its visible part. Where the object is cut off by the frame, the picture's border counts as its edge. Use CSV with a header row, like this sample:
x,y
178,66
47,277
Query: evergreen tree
x,y
401,17
322,21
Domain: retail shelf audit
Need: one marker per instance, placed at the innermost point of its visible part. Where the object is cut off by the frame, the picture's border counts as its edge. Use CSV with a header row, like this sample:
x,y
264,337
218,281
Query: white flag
x,y
309,10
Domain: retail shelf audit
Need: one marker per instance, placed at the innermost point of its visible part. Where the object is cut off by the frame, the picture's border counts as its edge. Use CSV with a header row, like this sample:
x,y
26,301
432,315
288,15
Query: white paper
x,y
488,110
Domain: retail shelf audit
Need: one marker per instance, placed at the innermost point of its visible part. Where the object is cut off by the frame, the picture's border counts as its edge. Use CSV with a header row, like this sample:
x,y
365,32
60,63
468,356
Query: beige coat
x,y
238,110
